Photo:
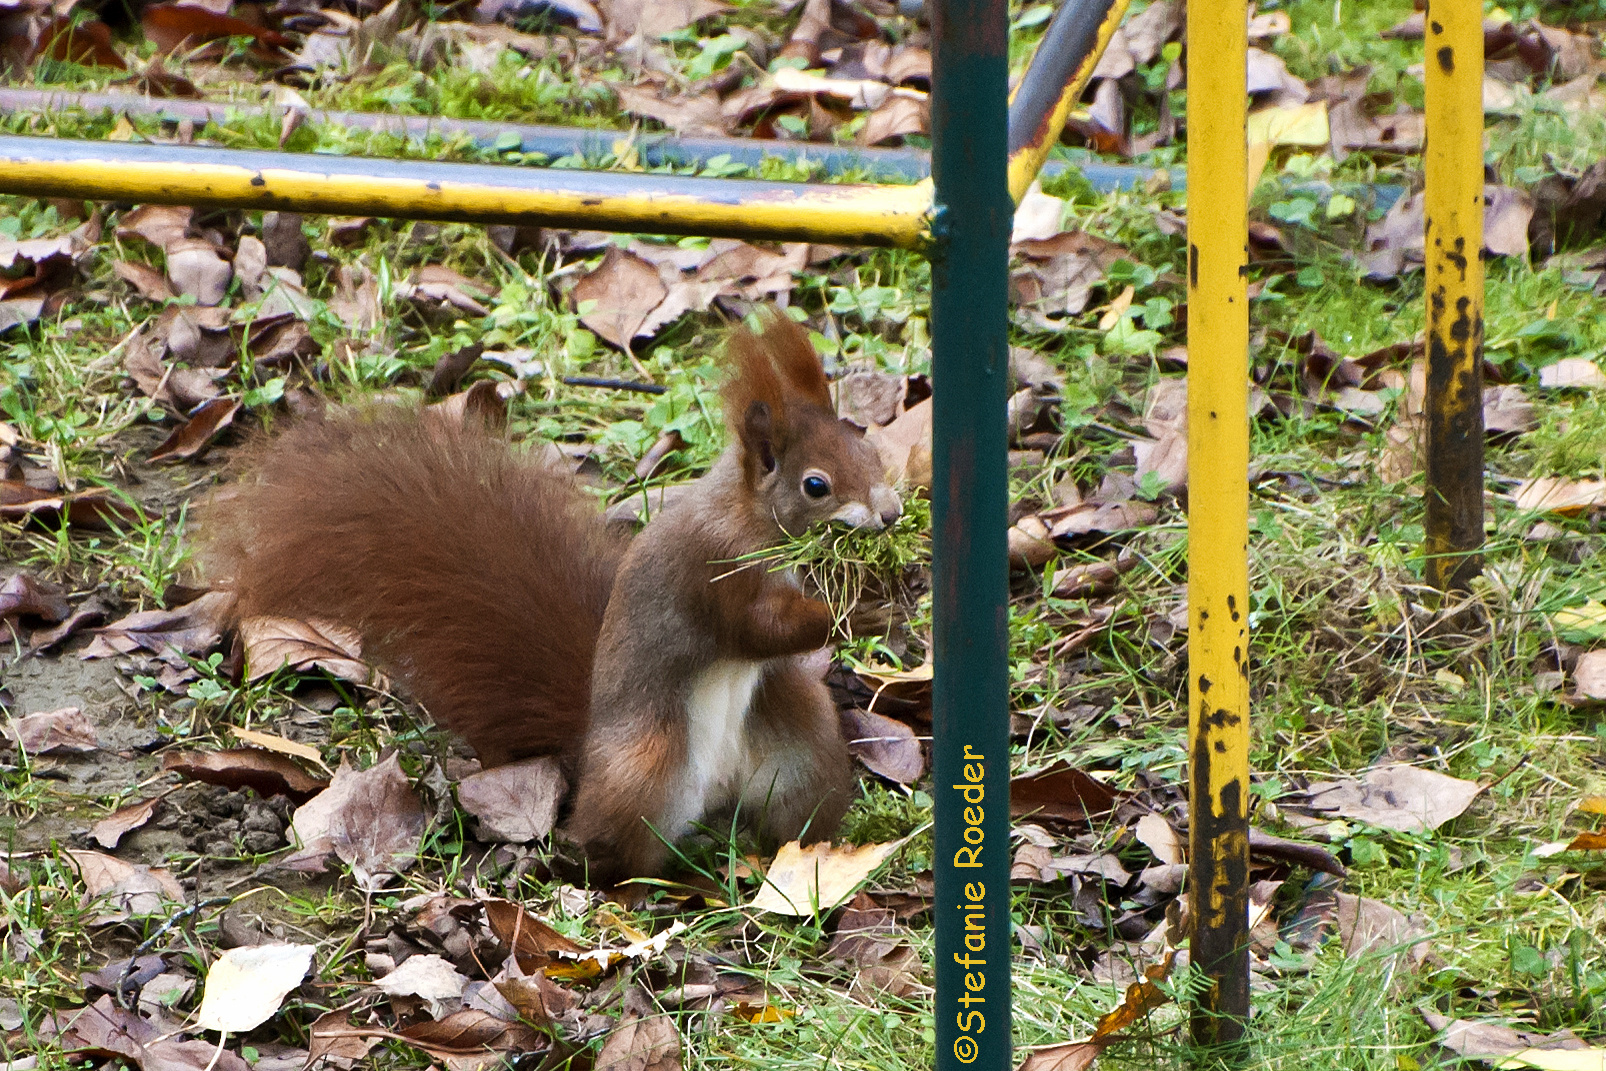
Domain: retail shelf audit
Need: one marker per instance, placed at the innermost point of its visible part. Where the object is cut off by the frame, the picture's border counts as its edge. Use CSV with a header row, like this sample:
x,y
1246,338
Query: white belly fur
x,y
716,741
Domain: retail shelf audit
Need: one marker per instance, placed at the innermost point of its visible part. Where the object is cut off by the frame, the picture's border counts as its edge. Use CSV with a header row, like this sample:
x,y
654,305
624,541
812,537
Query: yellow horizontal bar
x,y
895,216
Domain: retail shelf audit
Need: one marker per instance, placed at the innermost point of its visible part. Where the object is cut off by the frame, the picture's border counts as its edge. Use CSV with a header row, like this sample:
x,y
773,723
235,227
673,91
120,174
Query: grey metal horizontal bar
x,y
553,142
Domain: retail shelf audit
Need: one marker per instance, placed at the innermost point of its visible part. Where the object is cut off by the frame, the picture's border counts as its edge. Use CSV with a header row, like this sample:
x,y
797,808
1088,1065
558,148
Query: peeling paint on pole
x,y
1453,234
1053,83
1218,517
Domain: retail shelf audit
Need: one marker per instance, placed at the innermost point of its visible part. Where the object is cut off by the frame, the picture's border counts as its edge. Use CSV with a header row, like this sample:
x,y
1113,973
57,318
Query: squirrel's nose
x,y
886,503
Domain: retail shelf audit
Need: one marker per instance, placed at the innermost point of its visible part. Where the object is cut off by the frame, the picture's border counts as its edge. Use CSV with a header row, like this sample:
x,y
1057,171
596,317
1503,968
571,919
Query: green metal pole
x,y
970,637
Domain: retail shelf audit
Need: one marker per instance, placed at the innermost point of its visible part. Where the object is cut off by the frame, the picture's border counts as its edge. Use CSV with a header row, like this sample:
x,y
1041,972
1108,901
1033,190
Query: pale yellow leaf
x,y
1559,495
819,877
246,985
270,742
1590,617
1300,124
1557,1059
884,674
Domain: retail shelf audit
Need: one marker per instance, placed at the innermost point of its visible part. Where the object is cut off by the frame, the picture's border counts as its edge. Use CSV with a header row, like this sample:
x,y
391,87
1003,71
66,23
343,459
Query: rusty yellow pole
x,y
1218,516
1453,229
1053,83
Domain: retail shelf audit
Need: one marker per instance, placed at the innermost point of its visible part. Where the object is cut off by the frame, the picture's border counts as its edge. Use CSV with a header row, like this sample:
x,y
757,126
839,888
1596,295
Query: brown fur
x,y
450,553
521,624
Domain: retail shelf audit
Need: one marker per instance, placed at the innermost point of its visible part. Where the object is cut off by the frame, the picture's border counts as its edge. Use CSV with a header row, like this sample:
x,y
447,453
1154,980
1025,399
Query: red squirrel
x,y
668,672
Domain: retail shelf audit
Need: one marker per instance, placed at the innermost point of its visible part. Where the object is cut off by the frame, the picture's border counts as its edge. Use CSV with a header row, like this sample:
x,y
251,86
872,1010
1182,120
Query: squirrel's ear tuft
x,y
751,381
795,360
779,368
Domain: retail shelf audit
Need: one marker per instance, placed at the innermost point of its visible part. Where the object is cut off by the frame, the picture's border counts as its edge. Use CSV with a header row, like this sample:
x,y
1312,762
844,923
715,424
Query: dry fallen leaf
x,y
1060,792
1588,618
1555,494
356,300
870,399
1572,372
182,26
150,283
481,405
1371,927
654,18
615,299
1142,997
592,962
193,628
245,986
886,747
197,433
1034,862
66,729
641,1043
894,119
25,595
516,802
1507,410
377,823
1493,1042
870,937
471,1040
689,115
440,284
264,772
195,270
1156,834
335,1043
1397,237
279,744
276,643
905,446
1409,799
94,507
802,880
534,942
107,1028
1165,457
1403,448
109,830
84,42
1589,675
1086,579
427,977
159,225
130,890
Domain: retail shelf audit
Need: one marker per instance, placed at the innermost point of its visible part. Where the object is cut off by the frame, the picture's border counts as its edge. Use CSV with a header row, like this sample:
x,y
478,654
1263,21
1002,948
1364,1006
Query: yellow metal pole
x,y
1030,141
1453,229
473,193
1218,516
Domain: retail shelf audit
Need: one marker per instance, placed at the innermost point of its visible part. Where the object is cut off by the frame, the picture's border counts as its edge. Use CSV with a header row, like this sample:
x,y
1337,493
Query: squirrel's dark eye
x,y
816,486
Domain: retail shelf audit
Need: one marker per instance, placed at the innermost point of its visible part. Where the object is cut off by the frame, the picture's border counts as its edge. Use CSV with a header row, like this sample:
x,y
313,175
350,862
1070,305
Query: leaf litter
x,y
243,317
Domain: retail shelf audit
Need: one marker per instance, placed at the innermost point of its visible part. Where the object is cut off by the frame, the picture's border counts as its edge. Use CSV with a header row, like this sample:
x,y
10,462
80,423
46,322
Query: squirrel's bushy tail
x,y
474,573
